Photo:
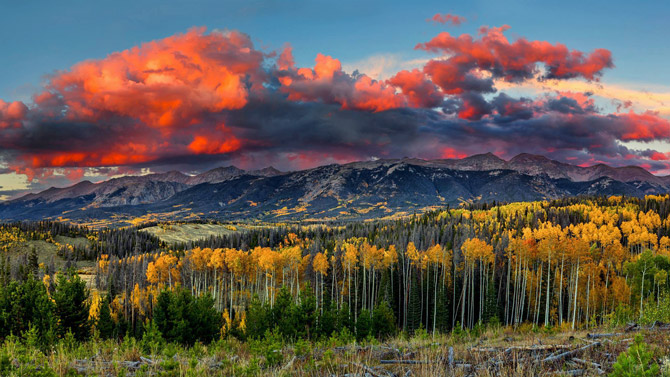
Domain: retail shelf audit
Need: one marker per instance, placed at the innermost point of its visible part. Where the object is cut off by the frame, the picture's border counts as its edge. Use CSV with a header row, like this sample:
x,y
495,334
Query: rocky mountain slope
x,y
356,190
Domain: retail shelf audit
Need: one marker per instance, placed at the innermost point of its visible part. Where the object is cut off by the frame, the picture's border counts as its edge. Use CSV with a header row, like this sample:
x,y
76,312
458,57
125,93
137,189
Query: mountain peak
x,y
529,157
269,171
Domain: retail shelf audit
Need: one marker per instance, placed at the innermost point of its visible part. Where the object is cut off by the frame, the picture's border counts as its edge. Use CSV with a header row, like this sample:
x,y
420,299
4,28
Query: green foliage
x,y
152,339
285,315
656,310
622,315
72,305
27,306
185,319
257,319
105,325
637,361
414,314
363,325
270,347
383,321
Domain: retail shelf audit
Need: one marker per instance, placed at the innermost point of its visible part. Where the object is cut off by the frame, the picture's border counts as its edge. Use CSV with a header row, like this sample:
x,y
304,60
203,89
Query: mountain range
x,y
357,190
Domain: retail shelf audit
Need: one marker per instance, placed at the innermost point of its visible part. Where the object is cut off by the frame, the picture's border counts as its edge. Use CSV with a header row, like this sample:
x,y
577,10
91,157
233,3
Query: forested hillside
x,y
569,263
566,264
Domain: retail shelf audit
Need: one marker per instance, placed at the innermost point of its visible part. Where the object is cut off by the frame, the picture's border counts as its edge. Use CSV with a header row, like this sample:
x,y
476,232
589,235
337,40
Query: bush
x,y
656,311
270,347
636,361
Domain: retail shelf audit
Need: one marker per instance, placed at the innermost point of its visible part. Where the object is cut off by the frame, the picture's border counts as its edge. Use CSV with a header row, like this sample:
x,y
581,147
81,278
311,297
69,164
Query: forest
x,y
569,265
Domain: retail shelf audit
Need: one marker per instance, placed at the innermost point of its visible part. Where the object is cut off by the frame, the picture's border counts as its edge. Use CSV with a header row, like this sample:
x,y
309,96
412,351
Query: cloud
x,y
621,96
327,83
200,99
447,18
473,63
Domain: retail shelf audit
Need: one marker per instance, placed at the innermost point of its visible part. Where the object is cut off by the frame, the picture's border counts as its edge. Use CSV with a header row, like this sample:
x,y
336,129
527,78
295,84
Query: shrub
x,y
636,361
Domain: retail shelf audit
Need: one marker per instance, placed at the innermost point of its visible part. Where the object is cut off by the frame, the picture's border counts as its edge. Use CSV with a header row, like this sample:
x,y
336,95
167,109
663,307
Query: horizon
x,y
144,174
190,88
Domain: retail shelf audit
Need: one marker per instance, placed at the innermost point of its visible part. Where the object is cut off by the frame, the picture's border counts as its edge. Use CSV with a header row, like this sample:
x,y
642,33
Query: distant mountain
x,y
350,191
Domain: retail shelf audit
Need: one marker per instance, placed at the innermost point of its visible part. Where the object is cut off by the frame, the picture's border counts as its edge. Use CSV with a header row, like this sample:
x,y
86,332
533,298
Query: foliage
x,y
637,361
72,305
181,317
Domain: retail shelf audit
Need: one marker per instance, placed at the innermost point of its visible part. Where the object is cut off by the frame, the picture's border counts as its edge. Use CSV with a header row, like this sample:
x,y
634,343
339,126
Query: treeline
x,y
566,263
562,263
116,242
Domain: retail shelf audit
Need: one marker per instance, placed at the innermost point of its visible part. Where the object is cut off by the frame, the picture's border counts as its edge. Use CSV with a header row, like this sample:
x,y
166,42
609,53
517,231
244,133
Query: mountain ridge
x,y
361,189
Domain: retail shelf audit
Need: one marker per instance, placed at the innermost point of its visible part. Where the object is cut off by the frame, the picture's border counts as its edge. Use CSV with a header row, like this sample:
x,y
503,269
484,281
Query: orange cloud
x,y
165,83
418,89
326,82
220,141
447,18
646,126
514,61
12,114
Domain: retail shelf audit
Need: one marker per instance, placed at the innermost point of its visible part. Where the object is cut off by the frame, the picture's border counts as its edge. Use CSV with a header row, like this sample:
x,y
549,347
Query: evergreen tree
x,y
345,320
363,325
27,305
414,312
184,319
383,321
285,315
306,314
105,325
72,305
637,361
442,313
33,263
257,321
491,305
327,322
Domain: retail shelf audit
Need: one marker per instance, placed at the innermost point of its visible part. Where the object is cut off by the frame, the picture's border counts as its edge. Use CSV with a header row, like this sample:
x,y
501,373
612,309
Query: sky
x,y
92,90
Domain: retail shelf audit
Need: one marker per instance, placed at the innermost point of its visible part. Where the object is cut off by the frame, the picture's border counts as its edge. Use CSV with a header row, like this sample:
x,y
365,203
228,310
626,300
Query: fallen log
x,y
367,369
607,335
631,327
537,347
586,362
571,372
571,353
411,362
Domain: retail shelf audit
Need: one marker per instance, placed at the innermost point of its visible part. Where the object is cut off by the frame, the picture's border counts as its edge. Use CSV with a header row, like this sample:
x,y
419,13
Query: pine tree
x,y
105,325
443,318
637,361
33,263
257,321
383,321
72,305
414,307
491,305
363,325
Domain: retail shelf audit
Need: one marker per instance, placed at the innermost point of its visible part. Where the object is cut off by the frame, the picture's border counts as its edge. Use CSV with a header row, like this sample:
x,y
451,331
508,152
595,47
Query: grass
x,y
47,251
273,357
187,232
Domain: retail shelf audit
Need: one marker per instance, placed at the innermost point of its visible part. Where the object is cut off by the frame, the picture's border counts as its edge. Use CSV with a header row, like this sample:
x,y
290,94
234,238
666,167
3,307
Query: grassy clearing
x,y
472,355
48,252
182,233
